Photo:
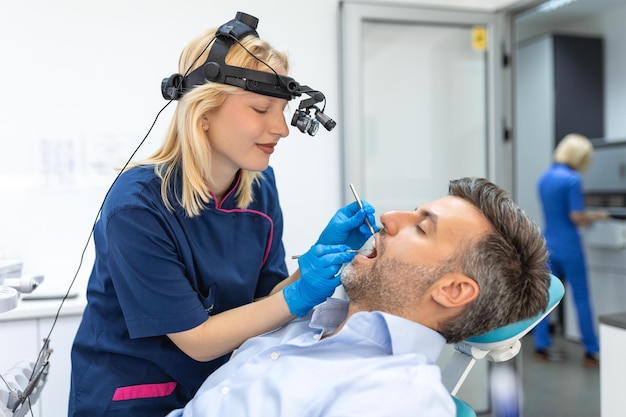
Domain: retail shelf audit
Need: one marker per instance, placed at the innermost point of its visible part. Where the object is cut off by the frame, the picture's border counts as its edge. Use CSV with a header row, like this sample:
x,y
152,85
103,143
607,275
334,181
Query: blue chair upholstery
x,y
521,328
463,409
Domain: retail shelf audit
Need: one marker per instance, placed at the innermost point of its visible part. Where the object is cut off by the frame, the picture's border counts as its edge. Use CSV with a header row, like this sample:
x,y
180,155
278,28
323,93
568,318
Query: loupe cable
x,y
82,255
44,348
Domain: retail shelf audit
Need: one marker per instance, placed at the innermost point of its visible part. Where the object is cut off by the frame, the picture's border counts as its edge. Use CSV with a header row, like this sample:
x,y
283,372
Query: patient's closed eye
x,y
428,221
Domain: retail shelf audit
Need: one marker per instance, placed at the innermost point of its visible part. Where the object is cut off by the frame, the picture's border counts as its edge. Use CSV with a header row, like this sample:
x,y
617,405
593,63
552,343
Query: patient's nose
x,y
394,221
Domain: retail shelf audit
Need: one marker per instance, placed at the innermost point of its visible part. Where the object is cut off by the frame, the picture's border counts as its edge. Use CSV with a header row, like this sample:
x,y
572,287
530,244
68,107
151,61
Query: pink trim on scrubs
x,y
133,392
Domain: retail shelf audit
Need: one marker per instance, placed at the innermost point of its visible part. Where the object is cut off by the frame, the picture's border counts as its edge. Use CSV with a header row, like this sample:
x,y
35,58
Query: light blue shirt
x,y
378,365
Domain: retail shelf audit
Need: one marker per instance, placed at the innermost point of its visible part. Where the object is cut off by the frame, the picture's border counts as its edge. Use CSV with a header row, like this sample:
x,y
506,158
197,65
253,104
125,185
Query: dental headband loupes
x,y
261,82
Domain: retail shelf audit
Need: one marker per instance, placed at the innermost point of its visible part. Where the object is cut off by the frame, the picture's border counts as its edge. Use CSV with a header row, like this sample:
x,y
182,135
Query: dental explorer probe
x,y
358,200
348,251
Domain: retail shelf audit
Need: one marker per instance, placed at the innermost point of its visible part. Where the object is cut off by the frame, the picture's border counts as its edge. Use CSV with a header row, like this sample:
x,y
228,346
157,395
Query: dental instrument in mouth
x,y
358,200
348,251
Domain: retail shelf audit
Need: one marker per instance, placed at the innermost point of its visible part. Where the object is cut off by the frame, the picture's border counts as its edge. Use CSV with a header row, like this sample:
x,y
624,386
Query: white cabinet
x,y
22,332
613,364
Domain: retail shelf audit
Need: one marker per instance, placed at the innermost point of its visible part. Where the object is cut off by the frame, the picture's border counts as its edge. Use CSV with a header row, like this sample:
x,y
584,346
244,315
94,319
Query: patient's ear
x,y
455,290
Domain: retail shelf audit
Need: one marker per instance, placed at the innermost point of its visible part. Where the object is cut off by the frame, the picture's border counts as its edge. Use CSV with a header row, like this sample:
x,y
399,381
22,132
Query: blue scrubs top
x,y
561,192
159,272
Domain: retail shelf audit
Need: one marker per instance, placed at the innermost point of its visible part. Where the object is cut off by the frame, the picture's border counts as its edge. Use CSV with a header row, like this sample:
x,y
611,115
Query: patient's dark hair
x,y
509,264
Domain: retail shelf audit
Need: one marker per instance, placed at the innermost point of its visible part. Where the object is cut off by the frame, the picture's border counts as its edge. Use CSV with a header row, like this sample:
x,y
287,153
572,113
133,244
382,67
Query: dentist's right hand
x,y
319,277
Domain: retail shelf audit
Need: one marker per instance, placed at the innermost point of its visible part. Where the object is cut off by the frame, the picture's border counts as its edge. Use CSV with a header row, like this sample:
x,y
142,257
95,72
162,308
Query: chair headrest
x,y
519,329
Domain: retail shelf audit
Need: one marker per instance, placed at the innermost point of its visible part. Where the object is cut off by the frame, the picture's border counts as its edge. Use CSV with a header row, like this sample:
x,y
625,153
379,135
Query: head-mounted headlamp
x,y
260,82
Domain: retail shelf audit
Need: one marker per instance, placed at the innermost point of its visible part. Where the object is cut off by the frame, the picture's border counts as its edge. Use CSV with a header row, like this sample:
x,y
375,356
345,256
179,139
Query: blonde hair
x,y
186,146
575,151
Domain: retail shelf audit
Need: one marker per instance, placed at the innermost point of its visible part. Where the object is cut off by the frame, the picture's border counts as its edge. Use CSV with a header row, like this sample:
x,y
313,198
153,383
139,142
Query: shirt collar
x,y
329,315
398,334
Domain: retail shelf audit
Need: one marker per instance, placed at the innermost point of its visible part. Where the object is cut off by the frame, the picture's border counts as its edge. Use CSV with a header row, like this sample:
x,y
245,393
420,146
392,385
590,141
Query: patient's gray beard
x,y
389,286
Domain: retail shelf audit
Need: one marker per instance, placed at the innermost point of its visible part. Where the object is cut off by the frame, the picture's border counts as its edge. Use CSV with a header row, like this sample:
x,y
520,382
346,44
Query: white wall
x,y
82,86
614,33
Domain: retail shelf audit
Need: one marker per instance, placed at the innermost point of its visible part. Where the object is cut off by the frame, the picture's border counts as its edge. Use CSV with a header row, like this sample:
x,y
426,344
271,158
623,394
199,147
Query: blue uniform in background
x,y
159,272
560,191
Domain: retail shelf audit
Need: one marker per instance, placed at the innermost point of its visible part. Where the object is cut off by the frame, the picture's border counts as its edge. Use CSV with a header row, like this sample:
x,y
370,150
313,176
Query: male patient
x,y
453,268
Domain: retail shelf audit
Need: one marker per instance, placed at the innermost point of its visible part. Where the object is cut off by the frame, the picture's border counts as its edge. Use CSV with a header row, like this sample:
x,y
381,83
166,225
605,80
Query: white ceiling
x,y
579,12
485,5
529,22
579,8
573,10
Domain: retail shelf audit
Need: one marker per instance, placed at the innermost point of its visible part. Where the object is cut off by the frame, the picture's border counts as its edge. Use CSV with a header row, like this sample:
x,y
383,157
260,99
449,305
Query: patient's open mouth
x,y
369,249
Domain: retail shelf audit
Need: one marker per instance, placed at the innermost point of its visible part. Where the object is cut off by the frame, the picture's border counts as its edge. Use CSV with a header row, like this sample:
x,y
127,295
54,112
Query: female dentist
x,y
189,255
560,190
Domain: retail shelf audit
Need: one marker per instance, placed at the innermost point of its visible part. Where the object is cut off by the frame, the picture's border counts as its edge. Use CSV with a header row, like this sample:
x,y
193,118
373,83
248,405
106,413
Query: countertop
x,y
616,320
29,308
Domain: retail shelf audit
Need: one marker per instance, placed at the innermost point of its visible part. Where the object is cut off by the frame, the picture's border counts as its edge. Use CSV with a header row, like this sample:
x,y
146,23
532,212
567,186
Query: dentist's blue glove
x,y
319,277
348,227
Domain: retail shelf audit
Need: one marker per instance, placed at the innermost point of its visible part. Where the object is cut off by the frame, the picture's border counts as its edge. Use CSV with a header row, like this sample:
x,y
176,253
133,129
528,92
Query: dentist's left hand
x,y
319,277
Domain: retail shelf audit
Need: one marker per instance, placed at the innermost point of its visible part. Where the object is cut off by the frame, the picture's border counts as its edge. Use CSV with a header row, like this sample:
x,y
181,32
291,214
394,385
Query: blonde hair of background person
x,y
576,151
185,144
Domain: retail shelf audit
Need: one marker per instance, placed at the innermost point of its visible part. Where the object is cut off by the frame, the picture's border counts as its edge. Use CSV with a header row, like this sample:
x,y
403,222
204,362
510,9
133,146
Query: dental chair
x,y
498,345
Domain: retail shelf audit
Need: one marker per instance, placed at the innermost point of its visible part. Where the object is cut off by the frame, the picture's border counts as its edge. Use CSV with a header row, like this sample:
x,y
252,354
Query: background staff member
x,y
187,239
561,194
